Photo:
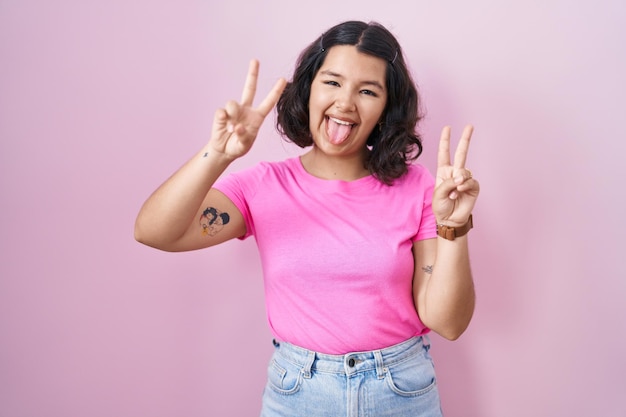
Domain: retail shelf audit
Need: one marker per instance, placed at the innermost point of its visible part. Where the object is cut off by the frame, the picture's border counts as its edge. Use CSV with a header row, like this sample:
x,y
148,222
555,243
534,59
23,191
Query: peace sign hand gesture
x,y
235,127
456,190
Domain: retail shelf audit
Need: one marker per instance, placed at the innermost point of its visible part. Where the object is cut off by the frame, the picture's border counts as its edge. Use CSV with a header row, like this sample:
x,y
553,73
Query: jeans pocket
x,y
413,377
283,377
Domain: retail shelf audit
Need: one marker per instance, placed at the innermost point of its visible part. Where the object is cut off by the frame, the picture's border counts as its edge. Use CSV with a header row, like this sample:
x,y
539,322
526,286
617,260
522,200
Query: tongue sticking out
x,y
338,132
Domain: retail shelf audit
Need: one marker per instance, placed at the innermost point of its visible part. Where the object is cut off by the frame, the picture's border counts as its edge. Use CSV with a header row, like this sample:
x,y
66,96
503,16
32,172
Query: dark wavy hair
x,y
395,142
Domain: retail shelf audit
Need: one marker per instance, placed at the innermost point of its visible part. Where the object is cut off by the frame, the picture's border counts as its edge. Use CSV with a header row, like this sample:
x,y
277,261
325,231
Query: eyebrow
x,y
334,74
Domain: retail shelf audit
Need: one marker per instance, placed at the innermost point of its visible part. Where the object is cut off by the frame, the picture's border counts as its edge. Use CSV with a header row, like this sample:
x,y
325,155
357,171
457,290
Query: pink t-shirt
x,y
337,256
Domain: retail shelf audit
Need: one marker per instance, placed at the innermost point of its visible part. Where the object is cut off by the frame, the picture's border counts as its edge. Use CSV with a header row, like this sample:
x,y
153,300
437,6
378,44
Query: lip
x,y
341,121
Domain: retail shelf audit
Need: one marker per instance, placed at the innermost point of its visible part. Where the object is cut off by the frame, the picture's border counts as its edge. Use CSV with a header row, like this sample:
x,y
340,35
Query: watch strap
x,y
451,233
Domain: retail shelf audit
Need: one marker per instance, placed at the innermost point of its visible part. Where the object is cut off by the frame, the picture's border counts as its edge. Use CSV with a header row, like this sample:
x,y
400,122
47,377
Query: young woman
x,y
363,252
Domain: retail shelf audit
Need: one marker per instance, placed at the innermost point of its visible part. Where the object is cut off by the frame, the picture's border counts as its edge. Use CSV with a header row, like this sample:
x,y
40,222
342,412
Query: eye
x,y
331,82
369,93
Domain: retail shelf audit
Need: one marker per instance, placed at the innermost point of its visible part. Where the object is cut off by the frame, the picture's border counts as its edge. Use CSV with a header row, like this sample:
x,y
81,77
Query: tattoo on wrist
x,y
212,221
205,155
428,269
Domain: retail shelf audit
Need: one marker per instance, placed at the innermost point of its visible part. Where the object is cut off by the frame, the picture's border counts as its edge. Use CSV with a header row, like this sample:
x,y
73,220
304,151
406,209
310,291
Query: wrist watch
x,y
451,233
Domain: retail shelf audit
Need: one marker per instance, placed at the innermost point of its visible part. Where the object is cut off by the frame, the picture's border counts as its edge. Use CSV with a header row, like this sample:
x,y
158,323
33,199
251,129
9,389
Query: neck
x,y
330,167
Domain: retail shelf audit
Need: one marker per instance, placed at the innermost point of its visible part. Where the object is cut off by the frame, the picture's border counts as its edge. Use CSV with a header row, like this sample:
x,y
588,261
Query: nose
x,y
345,101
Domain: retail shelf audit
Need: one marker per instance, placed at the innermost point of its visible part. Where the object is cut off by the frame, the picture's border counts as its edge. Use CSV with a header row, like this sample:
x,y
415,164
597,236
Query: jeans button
x,y
351,362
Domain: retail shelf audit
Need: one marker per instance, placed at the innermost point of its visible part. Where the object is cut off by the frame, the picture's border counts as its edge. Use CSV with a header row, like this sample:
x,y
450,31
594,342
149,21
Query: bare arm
x,y
170,219
443,287
185,213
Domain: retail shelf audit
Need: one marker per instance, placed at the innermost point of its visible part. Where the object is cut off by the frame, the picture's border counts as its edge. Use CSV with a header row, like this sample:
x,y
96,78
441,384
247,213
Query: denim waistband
x,y
354,362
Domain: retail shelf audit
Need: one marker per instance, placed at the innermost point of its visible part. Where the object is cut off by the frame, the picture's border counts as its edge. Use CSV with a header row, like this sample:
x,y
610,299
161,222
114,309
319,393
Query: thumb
x,y
220,121
446,190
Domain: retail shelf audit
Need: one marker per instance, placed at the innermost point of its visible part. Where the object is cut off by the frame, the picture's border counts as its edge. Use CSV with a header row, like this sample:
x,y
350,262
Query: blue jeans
x,y
397,381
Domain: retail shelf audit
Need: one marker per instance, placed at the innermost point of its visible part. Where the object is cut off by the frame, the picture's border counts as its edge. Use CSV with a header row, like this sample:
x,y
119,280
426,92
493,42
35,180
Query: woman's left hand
x,y
456,190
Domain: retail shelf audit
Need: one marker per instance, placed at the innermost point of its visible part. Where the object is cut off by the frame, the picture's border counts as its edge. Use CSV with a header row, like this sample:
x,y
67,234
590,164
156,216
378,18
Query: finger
x,y
272,98
220,119
232,113
443,156
470,185
249,88
460,156
462,175
447,189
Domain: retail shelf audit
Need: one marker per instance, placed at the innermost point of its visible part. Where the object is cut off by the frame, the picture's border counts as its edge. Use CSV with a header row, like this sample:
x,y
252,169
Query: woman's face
x,y
348,97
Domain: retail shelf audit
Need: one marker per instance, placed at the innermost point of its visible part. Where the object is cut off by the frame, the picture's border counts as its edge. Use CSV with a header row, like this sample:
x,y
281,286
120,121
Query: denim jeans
x,y
396,381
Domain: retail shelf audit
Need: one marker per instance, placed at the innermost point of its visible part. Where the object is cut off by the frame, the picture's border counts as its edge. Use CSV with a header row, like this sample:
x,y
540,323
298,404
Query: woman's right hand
x,y
236,126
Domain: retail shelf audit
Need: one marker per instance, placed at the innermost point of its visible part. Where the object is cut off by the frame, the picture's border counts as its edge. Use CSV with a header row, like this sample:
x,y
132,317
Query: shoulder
x,y
271,167
263,175
416,174
418,170
261,170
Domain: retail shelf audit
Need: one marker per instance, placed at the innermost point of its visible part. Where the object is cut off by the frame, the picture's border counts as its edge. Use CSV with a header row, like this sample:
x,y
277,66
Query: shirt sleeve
x,y
428,224
240,188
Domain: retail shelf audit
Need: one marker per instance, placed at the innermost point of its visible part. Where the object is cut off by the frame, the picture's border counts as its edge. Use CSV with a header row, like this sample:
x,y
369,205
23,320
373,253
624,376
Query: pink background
x,y
101,101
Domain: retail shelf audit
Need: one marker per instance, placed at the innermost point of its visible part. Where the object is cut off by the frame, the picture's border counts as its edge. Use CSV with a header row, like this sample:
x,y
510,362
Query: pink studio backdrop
x,y
101,101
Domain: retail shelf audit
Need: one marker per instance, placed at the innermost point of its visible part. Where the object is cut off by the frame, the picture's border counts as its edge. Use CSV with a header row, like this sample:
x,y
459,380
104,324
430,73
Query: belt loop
x,y
306,369
380,366
426,342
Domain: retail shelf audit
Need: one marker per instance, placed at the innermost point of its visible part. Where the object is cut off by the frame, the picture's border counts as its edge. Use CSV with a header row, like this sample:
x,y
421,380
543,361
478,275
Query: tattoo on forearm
x,y
428,269
205,155
212,221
